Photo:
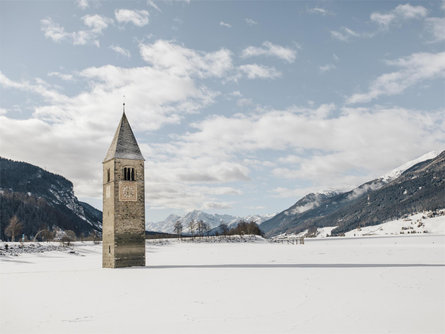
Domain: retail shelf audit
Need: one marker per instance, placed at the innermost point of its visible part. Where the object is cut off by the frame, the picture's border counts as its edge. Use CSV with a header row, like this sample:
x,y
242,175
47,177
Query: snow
x,y
323,232
392,284
418,223
395,173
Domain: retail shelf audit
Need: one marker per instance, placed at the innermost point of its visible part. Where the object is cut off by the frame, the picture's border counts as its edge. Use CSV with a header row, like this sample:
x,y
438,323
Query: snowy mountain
x,y
415,186
395,173
213,220
259,219
42,199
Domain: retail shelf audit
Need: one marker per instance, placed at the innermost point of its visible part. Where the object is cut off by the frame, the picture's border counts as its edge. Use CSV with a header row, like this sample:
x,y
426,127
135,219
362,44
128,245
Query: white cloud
x,y
187,197
320,11
436,26
244,102
413,69
382,19
38,87
354,140
327,68
255,71
57,33
137,17
224,24
63,76
216,206
250,22
357,192
269,49
399,13
93,114
82,4
344,34
179,60
120,50
408,11
53,30
3,111
214,150
96,22
62,120
152,4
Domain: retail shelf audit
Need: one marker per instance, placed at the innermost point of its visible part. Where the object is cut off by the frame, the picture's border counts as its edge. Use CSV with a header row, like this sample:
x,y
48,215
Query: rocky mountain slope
x,y
415,187
41,199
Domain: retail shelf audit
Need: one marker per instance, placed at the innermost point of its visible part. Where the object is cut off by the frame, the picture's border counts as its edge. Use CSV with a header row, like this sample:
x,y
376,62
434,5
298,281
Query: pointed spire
x,y
124,144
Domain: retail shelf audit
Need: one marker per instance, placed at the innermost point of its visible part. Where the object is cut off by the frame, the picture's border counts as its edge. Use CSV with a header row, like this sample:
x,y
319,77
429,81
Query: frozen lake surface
x,y
335,285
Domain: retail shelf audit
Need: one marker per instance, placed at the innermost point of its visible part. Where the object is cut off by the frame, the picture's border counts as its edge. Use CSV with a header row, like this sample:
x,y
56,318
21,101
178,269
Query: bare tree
x,y
224,229
45,235
68,237
178,228
205,228
96,237
202,227
15,227
192,225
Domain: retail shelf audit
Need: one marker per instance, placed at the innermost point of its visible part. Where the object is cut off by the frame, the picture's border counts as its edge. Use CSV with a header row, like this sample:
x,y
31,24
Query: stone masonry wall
x,y
108,217
128,247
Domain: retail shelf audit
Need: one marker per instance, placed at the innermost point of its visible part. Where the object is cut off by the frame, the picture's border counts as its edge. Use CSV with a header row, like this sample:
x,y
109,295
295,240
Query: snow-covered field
x,y
419,223
390,284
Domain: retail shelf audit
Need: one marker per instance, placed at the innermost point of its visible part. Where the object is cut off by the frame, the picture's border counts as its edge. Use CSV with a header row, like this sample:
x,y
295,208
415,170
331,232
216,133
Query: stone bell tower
x,y
123,230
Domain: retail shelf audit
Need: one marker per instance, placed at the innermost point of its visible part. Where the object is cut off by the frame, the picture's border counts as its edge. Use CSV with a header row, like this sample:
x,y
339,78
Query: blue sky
x,y
238,107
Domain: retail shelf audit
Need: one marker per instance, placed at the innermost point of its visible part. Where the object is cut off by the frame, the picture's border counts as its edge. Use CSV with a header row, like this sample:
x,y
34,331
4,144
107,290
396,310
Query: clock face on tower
x,y
128,191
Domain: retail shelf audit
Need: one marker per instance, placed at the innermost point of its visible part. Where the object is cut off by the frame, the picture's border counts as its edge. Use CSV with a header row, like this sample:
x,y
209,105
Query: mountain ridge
x,y
42,199
213,220
371,203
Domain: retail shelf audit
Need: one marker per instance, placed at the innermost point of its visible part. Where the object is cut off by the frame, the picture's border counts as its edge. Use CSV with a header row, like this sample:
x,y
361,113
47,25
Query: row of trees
x,y
200,228
15,228
196,228
36,213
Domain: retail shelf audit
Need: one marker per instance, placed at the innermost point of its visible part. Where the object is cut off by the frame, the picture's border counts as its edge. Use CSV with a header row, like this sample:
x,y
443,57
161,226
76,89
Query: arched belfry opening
x,y
123,231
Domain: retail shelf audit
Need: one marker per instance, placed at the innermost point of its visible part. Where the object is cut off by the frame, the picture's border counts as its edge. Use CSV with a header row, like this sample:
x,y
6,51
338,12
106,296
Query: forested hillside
x,y
42,200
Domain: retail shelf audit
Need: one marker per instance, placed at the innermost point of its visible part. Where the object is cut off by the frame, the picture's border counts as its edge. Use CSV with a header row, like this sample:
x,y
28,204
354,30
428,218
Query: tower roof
x,y
124,144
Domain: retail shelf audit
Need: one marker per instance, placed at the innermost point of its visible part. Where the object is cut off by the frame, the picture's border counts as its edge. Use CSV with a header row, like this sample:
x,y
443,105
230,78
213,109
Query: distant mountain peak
x,y
213,220
396,172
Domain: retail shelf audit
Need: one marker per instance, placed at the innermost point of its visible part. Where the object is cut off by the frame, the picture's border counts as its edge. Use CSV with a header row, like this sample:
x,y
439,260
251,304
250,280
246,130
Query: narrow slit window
x,y
125,173
108,175
132,174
